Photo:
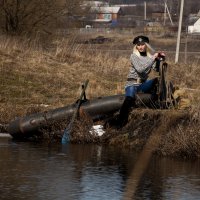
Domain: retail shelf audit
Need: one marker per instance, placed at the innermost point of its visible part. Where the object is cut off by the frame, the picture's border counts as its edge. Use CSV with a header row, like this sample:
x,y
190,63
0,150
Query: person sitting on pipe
x,y
143,59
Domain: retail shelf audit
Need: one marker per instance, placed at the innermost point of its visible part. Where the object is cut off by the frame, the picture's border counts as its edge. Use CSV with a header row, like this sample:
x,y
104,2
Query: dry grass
x,y
36,75
178,134
182,139
31,75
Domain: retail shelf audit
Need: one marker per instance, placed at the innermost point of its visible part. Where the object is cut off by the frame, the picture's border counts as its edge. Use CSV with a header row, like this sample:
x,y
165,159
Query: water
x,y
91,172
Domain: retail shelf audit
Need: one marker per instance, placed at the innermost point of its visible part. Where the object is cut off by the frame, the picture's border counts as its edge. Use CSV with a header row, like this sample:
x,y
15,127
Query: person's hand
x,y
155,55
159,55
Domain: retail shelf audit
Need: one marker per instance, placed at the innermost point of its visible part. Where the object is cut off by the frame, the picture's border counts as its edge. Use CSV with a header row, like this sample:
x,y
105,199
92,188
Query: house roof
x,y
193,20
197,23
104,9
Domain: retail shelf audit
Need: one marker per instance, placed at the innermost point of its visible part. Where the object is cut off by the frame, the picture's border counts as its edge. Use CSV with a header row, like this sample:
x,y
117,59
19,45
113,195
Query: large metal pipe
x,y
29,125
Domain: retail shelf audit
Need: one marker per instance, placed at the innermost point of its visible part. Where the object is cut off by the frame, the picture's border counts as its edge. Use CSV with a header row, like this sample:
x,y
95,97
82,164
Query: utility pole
x,y
145,10
179,32
165,12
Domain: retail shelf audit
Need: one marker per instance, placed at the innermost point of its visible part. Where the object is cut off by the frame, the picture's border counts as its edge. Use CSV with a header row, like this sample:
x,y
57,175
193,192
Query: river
x,y
36,171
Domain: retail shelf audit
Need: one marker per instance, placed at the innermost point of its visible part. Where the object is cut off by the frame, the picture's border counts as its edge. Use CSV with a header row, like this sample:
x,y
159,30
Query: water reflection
x,y
170,179
36,171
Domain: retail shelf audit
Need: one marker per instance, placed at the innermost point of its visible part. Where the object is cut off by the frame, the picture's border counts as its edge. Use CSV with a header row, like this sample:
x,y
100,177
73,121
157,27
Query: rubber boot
x,y
125,110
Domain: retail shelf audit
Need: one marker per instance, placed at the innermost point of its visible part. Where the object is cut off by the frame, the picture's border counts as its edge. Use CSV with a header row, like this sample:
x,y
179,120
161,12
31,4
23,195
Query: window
x,y
107,16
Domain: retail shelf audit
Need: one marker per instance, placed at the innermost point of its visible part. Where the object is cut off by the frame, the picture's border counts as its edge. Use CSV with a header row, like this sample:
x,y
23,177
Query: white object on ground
x,y
6,135
97,130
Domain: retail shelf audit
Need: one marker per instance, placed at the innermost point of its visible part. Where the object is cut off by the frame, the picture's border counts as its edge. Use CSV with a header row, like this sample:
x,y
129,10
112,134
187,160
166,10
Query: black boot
x,y
125,110
121,120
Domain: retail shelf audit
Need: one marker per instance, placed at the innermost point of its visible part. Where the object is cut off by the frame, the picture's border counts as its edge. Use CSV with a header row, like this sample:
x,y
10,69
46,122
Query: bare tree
x,y
17,16
75,11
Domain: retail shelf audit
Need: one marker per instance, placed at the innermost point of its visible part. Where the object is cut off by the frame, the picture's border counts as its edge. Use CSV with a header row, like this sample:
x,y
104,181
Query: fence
x,y
125,31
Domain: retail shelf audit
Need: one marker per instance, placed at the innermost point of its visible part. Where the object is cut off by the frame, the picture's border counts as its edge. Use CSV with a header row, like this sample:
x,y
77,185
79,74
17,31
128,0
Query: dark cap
x,y
141,39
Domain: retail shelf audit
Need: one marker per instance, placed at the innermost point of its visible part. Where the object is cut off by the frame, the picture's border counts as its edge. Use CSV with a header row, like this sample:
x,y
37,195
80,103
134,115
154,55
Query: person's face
x,y
141,47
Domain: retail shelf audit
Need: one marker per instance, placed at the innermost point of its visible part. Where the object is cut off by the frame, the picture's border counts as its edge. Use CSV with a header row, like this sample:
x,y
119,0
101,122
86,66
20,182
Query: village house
x,y
101,14
194,23
105,15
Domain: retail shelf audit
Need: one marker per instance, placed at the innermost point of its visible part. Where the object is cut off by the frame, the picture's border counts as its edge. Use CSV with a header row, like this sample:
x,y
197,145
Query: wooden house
x,y
106,14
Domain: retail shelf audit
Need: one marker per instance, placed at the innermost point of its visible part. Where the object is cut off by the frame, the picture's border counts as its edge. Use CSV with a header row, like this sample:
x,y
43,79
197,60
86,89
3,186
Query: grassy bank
x,y
40,74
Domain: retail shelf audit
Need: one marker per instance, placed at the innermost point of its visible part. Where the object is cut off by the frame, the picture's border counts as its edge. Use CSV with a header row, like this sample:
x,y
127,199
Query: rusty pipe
x,y
27,126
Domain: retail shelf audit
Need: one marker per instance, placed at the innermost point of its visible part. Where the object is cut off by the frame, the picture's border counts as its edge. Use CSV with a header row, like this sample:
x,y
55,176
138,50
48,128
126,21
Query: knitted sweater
x,y
141,67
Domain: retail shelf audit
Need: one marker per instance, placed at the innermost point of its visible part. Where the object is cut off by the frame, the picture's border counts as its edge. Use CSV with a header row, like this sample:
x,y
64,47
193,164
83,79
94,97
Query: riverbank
x,y
37,75
170,133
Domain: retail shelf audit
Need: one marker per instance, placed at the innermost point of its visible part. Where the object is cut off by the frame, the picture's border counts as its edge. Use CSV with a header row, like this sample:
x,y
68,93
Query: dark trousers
x,y
144,87
129,101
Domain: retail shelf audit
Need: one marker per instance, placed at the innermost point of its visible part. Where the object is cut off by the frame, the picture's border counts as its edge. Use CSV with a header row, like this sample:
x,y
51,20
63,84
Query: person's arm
x,y
142,65
158,58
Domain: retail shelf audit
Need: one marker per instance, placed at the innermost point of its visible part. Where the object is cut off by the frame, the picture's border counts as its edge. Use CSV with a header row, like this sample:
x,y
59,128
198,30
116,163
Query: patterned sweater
x,y
141,67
